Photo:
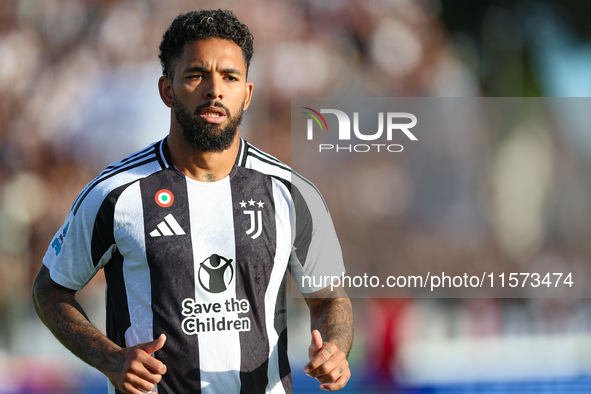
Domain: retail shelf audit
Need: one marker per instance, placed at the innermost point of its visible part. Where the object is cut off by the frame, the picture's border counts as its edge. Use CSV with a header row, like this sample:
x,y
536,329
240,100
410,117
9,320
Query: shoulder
x,y
254,158
123,172
298,186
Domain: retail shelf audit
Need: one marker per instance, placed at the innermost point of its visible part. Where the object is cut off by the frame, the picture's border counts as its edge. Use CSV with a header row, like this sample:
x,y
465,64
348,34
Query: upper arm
x,y
47,294
44,285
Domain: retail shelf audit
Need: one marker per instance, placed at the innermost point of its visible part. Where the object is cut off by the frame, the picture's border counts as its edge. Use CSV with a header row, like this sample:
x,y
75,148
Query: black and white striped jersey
x,y
203,263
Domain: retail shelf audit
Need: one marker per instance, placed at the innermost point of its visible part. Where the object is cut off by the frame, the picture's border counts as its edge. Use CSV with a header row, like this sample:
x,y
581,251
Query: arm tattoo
x,y
60,312
332,315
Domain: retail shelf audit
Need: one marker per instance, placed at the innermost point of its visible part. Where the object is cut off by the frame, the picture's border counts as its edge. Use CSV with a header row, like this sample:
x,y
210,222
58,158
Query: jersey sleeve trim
x,y
63,281
138,159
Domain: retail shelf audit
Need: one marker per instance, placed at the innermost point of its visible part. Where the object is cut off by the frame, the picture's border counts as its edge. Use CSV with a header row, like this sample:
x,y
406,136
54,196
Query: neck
x,y
202,166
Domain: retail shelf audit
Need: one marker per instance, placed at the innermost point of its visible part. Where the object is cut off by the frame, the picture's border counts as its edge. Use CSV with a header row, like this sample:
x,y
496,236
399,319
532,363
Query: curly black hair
x,y
197,25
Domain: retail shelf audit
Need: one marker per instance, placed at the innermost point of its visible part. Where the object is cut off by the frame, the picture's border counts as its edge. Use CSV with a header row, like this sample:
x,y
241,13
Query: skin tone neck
x,y
209,70
202,166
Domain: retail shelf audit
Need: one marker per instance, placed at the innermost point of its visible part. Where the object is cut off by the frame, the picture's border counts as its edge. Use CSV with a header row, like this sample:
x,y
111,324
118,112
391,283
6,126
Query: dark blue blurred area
x,y
305,384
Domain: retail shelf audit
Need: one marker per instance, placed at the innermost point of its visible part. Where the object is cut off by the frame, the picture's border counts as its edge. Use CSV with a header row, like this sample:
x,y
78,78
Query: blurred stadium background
x,y
79,90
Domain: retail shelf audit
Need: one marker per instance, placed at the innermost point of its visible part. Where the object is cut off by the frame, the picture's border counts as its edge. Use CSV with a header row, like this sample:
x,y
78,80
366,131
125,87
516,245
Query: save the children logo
x,y
205,314
391,125
216,273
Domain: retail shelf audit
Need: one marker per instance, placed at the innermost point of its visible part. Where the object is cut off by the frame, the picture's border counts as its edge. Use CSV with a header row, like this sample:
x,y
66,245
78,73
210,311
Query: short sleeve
x,y
78,250
316,258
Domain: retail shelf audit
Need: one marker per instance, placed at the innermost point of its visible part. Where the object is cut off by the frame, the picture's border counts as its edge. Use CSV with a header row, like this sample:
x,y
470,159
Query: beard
x,y
204,136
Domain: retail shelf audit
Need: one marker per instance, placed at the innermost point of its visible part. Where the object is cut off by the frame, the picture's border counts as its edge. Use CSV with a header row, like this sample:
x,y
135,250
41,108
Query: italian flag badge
x,y
164,198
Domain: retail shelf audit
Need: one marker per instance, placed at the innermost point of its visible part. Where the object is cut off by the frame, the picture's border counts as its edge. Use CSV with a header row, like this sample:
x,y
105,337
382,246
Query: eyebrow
x,y
205,70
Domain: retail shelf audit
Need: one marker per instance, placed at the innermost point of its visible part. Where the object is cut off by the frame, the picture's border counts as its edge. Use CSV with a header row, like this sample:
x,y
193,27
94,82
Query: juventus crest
x,y
255,212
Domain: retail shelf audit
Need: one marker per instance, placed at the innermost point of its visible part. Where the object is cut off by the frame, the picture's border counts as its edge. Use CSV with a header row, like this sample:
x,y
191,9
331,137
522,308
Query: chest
x,y
166,217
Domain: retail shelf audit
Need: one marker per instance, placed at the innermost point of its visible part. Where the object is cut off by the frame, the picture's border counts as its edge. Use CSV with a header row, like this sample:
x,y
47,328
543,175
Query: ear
x,y
249,88
165,89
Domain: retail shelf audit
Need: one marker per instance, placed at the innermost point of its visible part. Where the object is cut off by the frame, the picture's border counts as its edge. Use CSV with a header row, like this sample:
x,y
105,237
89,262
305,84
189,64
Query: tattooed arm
x,y
127,368
332,337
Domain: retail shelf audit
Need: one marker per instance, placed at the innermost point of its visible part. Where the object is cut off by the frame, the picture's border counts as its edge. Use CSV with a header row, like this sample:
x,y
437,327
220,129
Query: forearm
x,y
62,314
333,317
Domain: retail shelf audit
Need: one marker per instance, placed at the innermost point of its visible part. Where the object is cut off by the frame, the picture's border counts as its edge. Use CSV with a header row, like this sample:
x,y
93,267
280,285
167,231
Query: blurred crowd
x,y
78,83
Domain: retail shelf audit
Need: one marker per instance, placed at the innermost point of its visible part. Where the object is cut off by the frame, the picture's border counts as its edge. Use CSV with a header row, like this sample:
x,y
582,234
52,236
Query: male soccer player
x,y
196,234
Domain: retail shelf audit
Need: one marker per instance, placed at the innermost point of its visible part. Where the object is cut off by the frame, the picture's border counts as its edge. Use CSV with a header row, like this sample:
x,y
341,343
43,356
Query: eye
x,y
195,76
231,78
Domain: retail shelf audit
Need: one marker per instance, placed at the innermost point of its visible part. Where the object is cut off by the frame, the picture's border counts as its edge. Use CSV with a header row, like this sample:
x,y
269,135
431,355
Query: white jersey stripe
x,y
283,234
213,224
136,271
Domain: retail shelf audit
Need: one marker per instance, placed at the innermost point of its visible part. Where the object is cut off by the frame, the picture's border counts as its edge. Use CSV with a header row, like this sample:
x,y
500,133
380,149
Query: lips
x,y
213,114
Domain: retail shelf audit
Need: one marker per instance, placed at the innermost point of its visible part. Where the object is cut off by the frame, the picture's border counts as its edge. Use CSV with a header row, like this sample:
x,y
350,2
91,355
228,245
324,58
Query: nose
x,y
213,90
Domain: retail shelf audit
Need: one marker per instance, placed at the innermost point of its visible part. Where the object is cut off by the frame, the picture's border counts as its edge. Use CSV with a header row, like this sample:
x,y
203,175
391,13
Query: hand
x,y
140,370
328,364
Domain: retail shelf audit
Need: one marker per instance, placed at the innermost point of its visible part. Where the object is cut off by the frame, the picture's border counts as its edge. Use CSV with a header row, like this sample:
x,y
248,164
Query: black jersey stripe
x,y
280,325
254,264
101,179
118,318
304,220
172,278
102,234
303,225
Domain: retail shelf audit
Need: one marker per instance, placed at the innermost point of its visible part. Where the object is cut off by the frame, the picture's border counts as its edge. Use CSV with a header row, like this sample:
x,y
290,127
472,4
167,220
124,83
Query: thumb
x,y
156,344
316,344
